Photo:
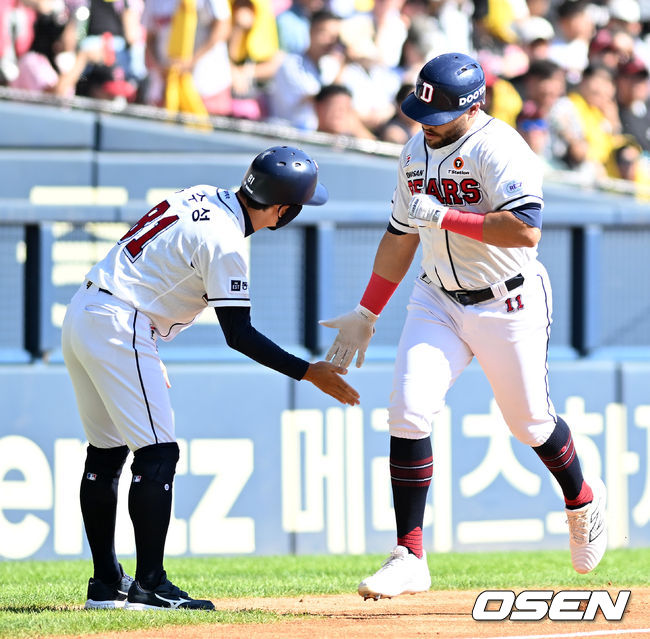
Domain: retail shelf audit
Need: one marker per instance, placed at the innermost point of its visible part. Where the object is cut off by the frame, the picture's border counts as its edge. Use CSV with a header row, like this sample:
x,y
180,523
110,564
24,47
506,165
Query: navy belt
x,y
466,298
99,288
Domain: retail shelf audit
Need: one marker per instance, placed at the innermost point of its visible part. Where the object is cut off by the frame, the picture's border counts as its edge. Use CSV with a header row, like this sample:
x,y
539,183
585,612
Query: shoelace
x,y
173,590
394,558
579,526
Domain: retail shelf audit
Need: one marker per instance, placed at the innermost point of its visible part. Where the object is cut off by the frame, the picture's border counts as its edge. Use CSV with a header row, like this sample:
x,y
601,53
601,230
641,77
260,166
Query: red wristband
x,y
377,294
468,224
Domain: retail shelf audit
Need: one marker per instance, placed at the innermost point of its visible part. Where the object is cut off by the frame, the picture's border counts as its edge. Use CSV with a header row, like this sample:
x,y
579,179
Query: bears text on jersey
x,y
448,191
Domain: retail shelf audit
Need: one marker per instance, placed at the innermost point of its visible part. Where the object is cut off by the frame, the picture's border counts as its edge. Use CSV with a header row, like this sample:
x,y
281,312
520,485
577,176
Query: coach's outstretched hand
x,y
327,377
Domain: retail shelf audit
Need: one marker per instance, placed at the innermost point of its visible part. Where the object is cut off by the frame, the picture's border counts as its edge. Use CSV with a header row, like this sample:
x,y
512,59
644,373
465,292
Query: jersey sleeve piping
x,y
407,229
516,199
228,301
391,229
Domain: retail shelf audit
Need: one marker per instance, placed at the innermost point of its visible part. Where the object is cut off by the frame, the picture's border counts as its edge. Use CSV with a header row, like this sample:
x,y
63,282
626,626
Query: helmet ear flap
x,y
290,214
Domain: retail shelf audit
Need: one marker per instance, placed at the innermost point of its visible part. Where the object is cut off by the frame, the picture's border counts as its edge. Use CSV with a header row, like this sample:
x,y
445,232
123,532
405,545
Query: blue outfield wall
x,y
272,466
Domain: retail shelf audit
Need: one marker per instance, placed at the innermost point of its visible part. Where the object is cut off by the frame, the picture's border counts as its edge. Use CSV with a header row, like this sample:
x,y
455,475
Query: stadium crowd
x,y
570,75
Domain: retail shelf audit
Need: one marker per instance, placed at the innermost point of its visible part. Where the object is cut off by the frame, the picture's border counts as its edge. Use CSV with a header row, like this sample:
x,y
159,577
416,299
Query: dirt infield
x,y
441,614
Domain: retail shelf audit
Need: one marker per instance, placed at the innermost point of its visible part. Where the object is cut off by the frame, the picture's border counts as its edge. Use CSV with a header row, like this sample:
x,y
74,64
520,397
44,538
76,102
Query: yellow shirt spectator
x,y
503,101
260,41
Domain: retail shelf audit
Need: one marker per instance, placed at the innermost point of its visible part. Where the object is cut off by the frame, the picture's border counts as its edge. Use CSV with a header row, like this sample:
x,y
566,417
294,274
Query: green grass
x,y
42,598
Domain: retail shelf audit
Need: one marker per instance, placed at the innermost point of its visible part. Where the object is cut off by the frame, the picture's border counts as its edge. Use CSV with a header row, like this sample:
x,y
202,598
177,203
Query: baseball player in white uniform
x,y
470,191
185,254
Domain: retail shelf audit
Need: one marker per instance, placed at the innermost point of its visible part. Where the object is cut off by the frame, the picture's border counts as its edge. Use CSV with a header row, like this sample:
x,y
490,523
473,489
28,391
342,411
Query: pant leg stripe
x,y
144,392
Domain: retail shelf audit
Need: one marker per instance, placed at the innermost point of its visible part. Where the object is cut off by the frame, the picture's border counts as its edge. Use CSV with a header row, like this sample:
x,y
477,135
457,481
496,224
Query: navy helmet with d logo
x,y
446,87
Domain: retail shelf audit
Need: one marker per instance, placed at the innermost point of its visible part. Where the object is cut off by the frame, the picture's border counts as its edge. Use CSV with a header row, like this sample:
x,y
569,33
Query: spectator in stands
x,y
51,56
585,123
500,21
625,15
536,131
36,73
372,84
336,113
293,24
414,56
400,128
384,26
501,99
52,64
254,55
290,94
540,8
207,62
440,26
570,48
115,25
611,47
54,33
629,163
541,87
103,82
535,36
633,96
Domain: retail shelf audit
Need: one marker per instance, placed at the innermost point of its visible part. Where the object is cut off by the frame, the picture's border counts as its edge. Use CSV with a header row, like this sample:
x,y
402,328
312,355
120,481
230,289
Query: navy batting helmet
x,y
446,87
284,175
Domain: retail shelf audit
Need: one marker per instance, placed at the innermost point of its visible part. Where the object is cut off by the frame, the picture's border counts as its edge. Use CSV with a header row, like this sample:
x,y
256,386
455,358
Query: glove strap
x,y
467,224
377,293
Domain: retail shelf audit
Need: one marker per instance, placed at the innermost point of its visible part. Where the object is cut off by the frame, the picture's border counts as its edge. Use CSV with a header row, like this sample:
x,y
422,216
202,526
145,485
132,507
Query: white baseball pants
x,y
110,351
439,339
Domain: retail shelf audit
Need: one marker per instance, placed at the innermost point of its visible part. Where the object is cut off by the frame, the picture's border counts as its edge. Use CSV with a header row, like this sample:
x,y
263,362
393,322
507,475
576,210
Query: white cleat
x,y
401,574
588,530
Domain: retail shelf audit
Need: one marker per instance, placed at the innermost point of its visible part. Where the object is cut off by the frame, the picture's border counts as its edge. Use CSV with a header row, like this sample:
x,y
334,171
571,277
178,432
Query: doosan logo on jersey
x,y
468,99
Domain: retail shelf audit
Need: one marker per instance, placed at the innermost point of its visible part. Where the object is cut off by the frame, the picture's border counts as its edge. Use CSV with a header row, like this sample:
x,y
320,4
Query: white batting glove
x,y
355,330
426,212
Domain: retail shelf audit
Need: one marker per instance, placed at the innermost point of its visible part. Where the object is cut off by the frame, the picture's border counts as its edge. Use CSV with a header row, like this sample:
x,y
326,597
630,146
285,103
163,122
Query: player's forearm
x,y
394,255
502,228
392,261
243,337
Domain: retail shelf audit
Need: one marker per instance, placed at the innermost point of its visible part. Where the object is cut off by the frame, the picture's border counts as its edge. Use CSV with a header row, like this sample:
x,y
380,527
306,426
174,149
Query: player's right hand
x,y
355,330
328,378
426,211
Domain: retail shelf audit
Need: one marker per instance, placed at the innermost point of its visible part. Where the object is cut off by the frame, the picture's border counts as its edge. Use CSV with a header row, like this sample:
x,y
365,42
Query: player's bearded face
x,y
444,134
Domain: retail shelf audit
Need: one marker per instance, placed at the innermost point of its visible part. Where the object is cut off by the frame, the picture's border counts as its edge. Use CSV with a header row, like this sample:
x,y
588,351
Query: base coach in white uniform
x,y
469,190
187,253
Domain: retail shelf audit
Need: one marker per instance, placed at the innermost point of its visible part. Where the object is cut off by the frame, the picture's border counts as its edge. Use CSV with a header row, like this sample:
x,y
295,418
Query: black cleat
x,y
165,596
101,595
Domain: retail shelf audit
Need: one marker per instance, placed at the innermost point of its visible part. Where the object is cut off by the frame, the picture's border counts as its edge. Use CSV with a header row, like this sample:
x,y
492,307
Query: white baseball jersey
x,y
489,169
187,253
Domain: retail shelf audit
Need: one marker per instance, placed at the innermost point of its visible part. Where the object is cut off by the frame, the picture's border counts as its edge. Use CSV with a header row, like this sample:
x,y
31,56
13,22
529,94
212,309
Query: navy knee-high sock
x,y
559,455
98,499
411,469
150,506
